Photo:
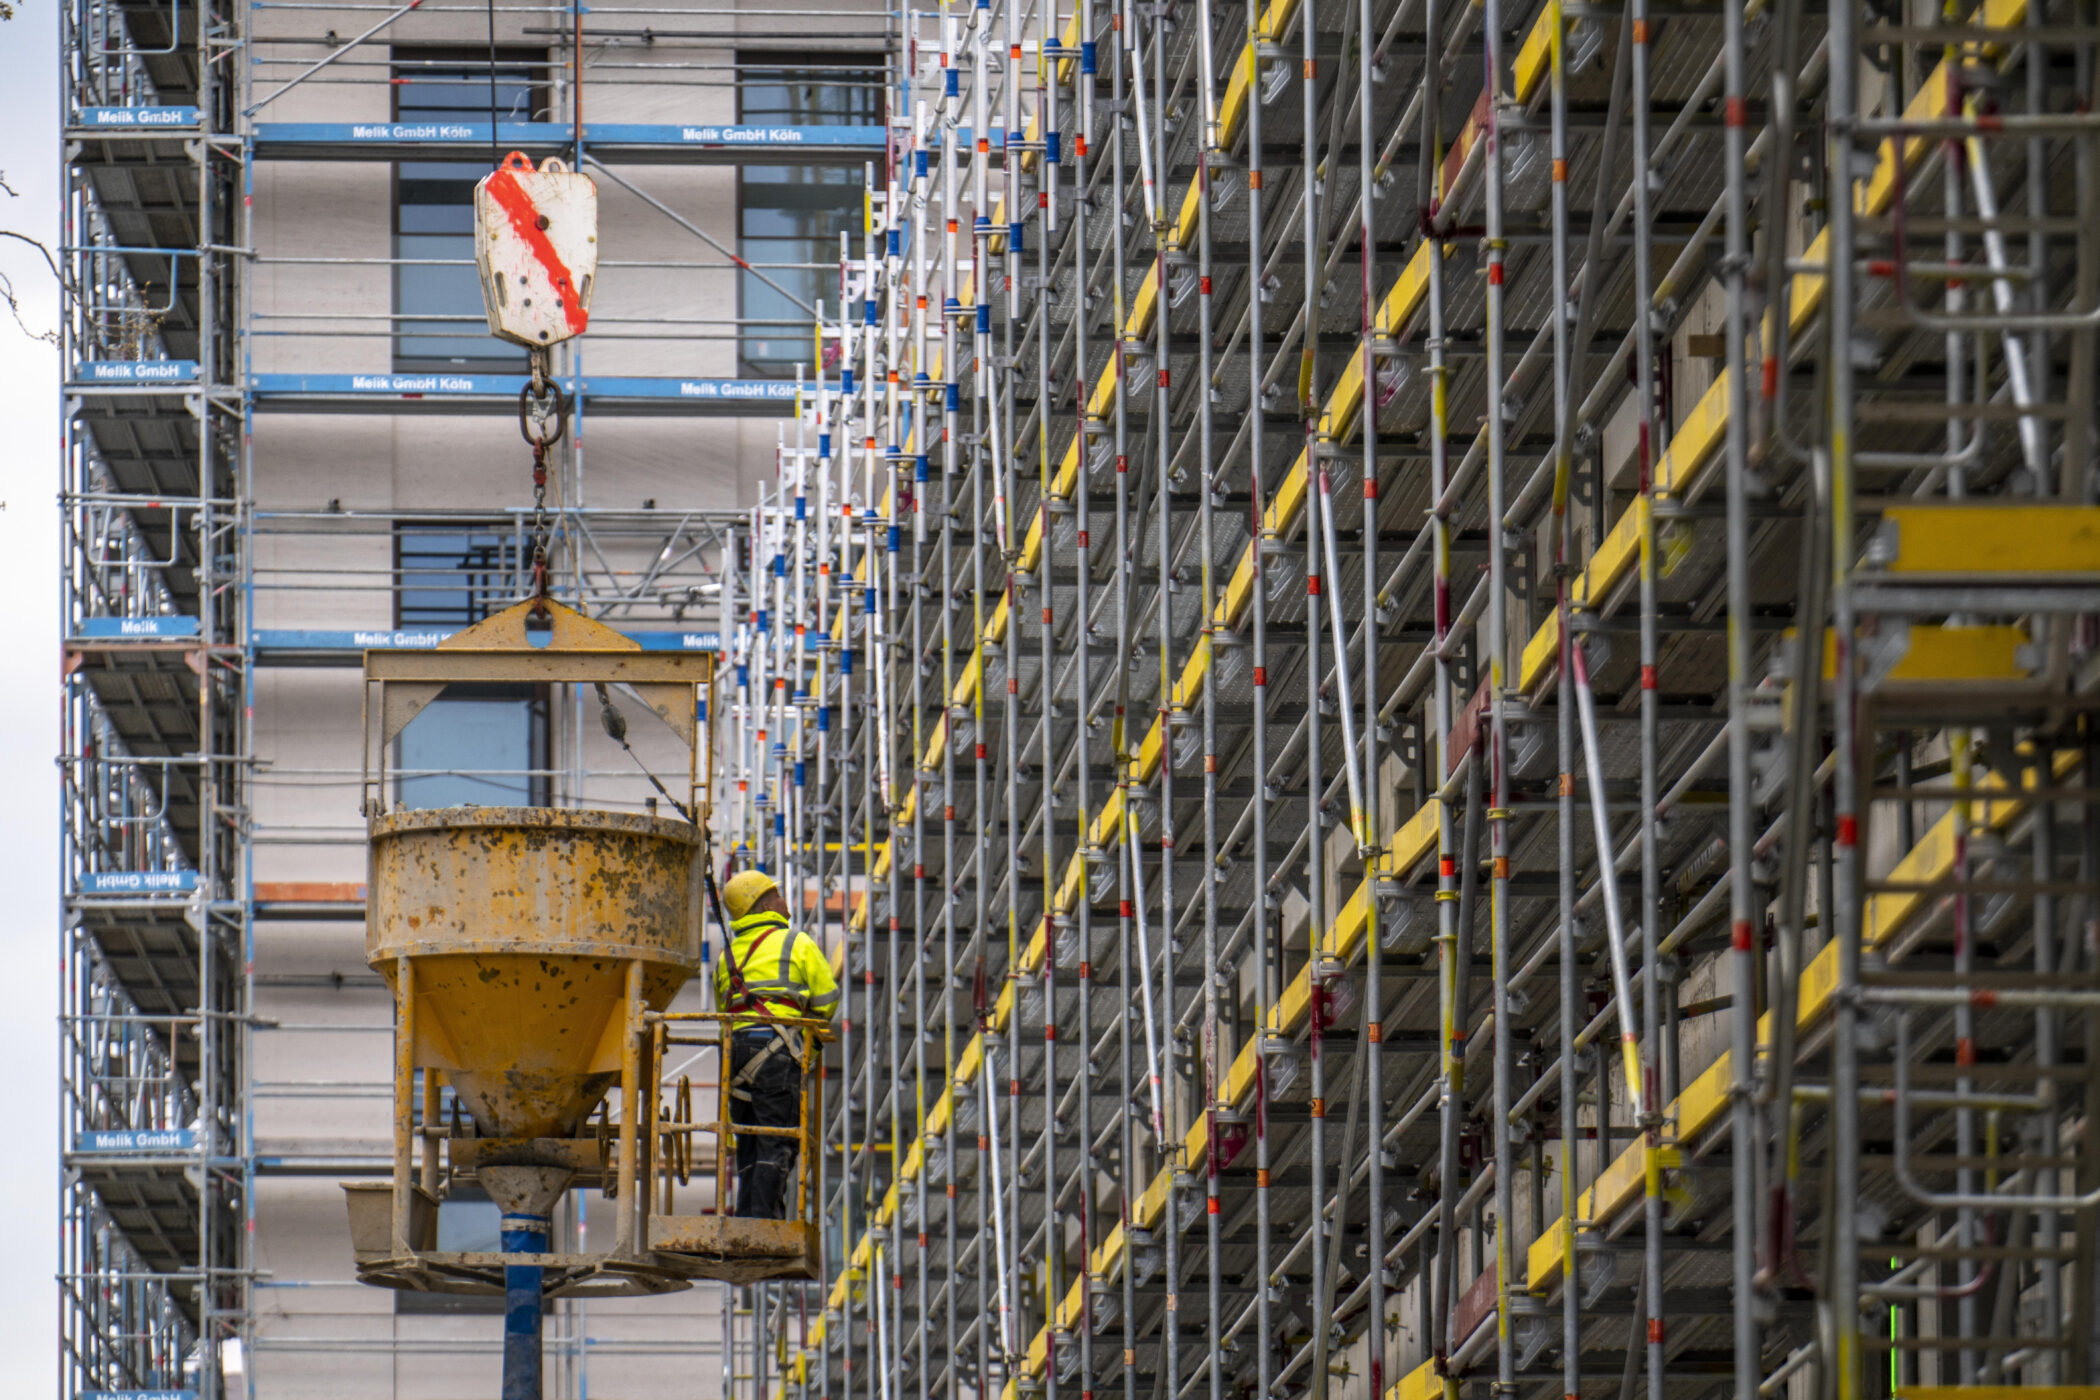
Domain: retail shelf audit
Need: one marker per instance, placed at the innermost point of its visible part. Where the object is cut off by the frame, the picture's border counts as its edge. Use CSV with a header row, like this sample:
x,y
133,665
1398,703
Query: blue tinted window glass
x,y
448,577
794,214
434,206
479,749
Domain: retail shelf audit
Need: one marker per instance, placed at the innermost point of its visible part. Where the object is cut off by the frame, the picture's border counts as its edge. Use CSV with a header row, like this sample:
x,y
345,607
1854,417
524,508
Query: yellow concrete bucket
x,y
520,924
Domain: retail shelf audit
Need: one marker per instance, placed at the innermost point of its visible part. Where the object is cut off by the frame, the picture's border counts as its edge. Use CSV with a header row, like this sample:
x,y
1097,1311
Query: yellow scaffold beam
x,y
1698,441
1705,1100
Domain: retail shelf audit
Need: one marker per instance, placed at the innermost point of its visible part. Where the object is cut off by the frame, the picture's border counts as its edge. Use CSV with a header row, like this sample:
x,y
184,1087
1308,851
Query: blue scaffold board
x,y
141,628
270,639
135,118
380,140
371,639
138,881
135,372
709,640
383,391
138,1140
138,1395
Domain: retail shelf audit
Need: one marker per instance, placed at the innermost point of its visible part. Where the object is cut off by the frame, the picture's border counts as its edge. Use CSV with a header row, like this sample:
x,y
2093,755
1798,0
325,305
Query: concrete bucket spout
x,y
518,926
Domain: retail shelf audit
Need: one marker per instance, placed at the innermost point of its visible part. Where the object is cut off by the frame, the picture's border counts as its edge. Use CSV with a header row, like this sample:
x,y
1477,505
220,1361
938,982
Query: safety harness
x,y
742,999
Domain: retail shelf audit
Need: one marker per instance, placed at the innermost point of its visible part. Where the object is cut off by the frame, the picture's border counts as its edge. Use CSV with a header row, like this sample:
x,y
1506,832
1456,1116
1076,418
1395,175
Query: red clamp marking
x,y
1211,1203
1446,867
1261,675
1737,112
510,196
1742,936
1123,910
1494,274
1983,999
1848,831
1647,678
1655,1331
1370,488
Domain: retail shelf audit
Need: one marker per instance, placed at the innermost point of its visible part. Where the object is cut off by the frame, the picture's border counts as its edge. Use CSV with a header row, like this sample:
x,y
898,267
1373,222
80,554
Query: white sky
x,y
29,710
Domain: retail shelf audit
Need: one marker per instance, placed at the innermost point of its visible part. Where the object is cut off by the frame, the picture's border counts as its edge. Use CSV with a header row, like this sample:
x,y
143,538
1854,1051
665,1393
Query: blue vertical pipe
x,y
522,1234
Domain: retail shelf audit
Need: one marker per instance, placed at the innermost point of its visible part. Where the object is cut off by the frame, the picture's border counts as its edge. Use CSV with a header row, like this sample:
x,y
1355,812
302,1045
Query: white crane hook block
x,y
536,243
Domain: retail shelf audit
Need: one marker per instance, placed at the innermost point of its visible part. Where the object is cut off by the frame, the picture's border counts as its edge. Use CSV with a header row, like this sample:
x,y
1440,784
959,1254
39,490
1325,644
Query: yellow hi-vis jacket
x,y
784,972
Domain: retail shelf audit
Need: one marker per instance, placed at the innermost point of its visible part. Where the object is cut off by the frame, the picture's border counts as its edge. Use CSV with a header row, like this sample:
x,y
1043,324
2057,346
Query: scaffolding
x,y
1711,386
1433,666
221,571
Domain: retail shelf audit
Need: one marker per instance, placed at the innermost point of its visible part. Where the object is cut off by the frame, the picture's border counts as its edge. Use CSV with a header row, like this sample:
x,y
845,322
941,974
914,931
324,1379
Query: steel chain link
x,y
543,416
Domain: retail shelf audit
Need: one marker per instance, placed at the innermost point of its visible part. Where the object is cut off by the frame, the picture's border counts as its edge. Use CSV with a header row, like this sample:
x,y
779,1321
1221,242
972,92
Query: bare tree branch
x,y
7,286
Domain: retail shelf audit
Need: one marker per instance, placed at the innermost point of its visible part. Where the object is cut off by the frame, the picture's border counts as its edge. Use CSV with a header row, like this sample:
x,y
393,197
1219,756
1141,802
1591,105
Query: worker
x,y
771,969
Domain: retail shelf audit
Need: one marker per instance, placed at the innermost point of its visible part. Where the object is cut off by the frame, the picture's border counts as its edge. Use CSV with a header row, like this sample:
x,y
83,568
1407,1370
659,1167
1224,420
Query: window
x,y
475,745
454,577
434,206
793,214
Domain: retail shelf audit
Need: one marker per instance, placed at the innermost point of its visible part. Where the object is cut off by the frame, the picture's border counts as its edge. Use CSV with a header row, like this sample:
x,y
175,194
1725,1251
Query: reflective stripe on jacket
x,y
784,972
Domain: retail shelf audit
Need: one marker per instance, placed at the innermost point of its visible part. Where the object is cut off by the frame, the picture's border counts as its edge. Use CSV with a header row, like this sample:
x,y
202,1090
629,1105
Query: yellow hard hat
x,y
745,889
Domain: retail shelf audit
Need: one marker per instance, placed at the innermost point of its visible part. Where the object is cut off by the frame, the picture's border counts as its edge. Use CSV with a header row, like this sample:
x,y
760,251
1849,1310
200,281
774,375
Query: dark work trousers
x,y
765,1165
